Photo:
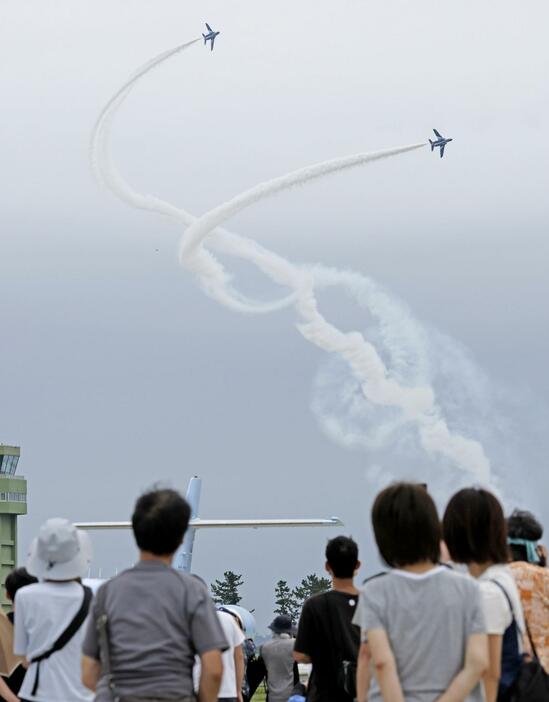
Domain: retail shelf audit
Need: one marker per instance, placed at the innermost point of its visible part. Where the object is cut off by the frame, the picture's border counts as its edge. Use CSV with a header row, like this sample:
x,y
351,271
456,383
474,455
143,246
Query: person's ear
x,y
327,568
357,567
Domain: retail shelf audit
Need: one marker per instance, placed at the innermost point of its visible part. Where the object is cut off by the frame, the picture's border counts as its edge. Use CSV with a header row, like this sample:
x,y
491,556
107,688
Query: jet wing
x,y
209,28
226,523
442,150
439,135
213,39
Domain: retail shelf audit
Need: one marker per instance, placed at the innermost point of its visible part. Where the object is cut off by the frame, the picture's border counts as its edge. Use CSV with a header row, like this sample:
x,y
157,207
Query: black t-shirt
x,y
326,634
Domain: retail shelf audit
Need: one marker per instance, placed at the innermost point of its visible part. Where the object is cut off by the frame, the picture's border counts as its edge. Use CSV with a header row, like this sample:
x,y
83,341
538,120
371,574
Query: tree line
x,y
288,600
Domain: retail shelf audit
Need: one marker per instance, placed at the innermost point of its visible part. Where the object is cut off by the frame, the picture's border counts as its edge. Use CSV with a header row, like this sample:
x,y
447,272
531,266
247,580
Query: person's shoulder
x,y
375,583
30,592
317,600
457,577
522,569
495,593
460,583
498,577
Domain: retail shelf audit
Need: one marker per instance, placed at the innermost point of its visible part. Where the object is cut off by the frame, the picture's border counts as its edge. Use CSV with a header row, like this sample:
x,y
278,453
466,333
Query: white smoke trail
x,y
416,403
108,176
379,385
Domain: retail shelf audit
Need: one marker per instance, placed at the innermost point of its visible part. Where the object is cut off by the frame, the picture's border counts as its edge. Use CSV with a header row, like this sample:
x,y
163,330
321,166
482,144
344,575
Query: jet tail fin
x,y
432,145
205,43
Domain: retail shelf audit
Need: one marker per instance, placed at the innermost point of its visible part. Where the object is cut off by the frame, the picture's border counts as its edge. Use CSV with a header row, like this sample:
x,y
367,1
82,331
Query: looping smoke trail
x,y
379,386
107,175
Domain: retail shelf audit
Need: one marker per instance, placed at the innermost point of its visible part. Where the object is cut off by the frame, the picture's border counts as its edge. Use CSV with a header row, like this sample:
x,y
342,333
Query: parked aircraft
x,y
183,558
210,36
440,141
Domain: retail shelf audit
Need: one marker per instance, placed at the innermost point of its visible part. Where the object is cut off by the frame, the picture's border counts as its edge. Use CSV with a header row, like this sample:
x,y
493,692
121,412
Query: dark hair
x,y
474,528
17,579
342,556
406,525
160,520
523,525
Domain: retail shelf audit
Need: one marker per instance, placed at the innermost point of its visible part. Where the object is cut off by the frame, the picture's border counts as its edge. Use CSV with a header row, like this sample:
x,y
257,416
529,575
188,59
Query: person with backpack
x,y
148,623
326,636
476,535
422,625
50,614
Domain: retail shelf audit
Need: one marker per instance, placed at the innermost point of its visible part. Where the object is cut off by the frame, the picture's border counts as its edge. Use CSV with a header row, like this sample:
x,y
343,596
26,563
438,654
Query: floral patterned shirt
x,y
533,584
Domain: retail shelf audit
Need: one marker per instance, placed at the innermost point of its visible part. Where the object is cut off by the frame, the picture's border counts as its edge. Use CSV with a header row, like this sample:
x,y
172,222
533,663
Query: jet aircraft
x,y
440,141
183,559
210,36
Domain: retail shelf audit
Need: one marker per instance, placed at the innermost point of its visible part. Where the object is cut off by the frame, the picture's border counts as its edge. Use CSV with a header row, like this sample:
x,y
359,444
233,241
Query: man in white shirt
x,y
60,557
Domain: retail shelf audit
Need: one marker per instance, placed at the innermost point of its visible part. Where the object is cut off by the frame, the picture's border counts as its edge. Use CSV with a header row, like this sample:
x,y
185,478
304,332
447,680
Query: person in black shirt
x,y
326,637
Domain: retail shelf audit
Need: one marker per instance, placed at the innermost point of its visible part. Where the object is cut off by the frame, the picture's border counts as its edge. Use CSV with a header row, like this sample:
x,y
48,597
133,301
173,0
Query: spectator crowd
x,y
461,613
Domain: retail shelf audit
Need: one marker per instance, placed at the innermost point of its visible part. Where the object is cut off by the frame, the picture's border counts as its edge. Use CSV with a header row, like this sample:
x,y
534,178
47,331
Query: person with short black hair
x,y
159,521
10,685
326,636
406,527
476,534
421,624
157,618
18,578
529,568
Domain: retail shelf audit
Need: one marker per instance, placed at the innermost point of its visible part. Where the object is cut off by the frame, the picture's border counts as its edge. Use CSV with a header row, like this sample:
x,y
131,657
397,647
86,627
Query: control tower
x,y
13,502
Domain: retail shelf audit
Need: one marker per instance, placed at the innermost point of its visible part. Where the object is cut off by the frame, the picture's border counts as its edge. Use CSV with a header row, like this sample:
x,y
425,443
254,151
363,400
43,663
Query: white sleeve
x,y
20,639
496,608
237,637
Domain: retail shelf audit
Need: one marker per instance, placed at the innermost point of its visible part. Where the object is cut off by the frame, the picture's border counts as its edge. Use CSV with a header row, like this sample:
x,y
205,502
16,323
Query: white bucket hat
x,y
60,552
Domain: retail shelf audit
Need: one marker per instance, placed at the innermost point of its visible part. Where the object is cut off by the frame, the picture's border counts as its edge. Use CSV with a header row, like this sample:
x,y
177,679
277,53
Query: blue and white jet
x,y
210,36
440,141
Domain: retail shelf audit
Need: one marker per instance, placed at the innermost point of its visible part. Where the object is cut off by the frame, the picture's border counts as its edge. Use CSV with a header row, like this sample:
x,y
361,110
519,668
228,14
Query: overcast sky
x,y
116,371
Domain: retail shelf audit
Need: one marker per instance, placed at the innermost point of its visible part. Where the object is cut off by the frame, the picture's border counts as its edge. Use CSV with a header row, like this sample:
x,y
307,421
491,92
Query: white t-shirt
x,y
496,607
42,612
234,637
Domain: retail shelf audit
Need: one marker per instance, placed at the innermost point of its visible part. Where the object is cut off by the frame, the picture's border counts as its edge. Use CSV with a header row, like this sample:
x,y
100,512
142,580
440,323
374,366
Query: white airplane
x,y
183,558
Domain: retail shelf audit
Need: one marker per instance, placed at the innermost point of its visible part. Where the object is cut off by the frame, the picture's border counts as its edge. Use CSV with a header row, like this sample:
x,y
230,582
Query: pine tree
x,y
226,591
285,601
309,586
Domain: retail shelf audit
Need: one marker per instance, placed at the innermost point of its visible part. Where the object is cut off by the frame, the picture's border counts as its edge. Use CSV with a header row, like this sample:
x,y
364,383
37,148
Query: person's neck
x,y
148,556
477,569
418,568
346,585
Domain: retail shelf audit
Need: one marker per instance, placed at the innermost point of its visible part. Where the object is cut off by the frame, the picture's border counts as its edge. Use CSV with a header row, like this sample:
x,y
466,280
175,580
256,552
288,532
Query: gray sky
x,y
118,372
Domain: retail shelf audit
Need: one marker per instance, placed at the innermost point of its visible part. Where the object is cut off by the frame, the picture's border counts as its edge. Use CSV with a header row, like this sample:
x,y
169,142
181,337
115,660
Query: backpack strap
x,y
65,636
514,618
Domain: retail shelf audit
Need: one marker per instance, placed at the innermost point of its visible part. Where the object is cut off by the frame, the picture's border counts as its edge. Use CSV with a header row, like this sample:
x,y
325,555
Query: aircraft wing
x,y
226,523
439,135
209,28
442,150
212,44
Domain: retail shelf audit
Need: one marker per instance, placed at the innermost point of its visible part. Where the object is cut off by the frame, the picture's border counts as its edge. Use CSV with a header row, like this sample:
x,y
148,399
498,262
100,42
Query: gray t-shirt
x,y
428,619
158,620
278,657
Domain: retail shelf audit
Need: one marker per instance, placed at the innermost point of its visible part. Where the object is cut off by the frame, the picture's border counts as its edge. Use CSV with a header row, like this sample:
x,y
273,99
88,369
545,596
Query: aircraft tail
x,y
204,39
432,145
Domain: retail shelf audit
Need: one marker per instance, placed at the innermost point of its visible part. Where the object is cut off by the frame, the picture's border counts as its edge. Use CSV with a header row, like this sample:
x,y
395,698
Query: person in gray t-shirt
x,y
158,618
277,654
422,624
